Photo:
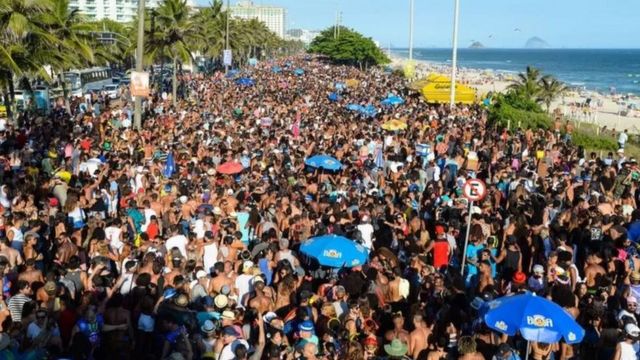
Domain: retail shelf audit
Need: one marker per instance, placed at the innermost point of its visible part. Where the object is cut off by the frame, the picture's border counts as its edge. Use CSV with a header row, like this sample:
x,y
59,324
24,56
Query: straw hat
x,y
228,315
221,301
397,348
635,276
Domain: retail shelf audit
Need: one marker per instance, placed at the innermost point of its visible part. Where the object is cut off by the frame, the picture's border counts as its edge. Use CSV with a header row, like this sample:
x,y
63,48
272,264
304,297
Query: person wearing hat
x,y
230,340
258,299
626,349
396,350
244,281
199,289
206,343
537,282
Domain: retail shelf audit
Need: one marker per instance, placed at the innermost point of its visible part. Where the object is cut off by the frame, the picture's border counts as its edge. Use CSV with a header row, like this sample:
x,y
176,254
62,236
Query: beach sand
x,y
604,110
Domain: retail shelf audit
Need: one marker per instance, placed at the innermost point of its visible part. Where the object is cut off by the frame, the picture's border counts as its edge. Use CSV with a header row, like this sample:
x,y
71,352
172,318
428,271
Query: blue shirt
x,y
634,231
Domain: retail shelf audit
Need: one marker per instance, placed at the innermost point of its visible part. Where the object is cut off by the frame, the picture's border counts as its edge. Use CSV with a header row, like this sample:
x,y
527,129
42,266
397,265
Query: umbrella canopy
x,y
298,72
394,125
324,162
232,73
392,101
537,319
334,251
230,168
245,82
276,69
333,97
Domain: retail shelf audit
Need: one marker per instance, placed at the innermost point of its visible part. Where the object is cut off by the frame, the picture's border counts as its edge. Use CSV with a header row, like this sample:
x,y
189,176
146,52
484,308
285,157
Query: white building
x,y
116,10
272,16
303,35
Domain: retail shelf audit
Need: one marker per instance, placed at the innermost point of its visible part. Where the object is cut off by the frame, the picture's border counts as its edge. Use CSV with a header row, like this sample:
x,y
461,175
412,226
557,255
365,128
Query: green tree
x,y
550,89
173,37
527,84
344,45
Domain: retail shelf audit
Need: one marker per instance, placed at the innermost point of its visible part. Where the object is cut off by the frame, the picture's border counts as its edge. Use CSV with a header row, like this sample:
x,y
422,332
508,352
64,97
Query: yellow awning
x,y
440,92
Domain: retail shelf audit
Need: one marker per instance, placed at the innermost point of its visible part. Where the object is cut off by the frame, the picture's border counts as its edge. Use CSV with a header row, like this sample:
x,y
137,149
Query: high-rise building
x,y
272,16
116,10
304,35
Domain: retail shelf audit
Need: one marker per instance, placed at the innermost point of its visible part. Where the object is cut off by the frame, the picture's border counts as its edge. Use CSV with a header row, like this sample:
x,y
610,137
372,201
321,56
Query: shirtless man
x,y
10,253
221,279
394,286
418,339
31,274
176,269
260,301
66,249
398,331
593,270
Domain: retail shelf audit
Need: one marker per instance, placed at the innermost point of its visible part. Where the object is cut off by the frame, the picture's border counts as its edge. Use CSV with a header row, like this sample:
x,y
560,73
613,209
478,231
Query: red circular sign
x,y
474,189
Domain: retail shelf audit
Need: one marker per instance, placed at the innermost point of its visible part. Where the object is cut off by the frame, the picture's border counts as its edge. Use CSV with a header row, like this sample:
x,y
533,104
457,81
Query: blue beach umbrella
x,y
354,107
333,97
245,82
535,317
340,86
392,100
334,251
276,69
369,110
299,72
325,162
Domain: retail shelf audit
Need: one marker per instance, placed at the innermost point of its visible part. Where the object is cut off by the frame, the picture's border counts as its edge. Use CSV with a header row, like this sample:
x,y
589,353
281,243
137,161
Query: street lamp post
x,y
137,118
411,7
454,58
226,36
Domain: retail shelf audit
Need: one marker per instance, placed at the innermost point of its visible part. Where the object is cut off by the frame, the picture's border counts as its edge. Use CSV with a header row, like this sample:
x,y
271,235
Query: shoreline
x,y
603,110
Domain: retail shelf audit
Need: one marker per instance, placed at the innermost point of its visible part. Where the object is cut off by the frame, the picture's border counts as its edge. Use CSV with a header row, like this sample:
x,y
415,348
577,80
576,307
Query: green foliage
x,y
504,114
518,101
593,142
347,46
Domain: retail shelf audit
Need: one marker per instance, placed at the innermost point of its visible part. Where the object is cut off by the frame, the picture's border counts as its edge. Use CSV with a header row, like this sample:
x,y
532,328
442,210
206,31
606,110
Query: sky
x,y
561,23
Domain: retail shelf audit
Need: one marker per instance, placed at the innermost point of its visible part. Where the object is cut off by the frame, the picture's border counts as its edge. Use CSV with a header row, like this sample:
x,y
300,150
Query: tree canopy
x,y
348,46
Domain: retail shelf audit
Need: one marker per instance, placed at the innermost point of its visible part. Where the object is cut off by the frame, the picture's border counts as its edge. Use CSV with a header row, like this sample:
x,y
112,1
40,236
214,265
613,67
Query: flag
x,y
170,166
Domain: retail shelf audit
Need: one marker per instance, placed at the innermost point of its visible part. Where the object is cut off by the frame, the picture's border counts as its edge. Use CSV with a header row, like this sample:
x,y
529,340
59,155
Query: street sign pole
x,y
473,190
466,239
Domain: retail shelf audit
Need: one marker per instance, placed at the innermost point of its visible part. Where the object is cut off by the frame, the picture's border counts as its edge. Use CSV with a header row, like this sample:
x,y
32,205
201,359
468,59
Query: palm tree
x,y
23,43
527,84
210,26
550,89
174,36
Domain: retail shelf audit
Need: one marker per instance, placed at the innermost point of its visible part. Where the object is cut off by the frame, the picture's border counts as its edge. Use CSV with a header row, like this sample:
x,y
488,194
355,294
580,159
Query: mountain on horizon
x,y
536,43
476,45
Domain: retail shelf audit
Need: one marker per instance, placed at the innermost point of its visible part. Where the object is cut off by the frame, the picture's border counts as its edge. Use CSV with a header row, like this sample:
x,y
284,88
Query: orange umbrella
x,y
230,168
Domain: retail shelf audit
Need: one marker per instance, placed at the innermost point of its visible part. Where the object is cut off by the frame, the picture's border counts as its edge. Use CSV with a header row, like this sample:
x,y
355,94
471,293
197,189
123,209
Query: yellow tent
x,y
440,92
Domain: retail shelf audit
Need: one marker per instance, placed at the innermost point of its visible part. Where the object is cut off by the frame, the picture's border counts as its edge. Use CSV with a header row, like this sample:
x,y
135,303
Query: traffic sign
x,y
474,189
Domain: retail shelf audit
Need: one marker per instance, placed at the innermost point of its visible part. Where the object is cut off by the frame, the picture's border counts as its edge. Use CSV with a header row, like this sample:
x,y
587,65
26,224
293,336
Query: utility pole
x,y
339,22
137,117
454,57
335,28
411,6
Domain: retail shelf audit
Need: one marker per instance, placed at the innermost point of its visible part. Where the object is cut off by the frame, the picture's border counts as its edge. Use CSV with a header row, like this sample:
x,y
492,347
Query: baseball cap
x,y
247,265
538,269
632,330
632,300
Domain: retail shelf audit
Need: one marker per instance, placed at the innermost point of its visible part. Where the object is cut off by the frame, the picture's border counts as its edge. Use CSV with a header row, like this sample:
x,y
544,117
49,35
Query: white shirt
x,y
622,138
179,241
366,230
243,284
113,234
227,351
210,256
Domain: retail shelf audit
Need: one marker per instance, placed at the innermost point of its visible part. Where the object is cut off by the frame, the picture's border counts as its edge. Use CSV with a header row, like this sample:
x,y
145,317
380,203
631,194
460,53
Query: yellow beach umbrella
x,y
394,125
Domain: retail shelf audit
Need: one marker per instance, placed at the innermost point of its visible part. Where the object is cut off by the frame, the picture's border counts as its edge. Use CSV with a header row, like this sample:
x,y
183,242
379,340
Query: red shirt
x,y
440,253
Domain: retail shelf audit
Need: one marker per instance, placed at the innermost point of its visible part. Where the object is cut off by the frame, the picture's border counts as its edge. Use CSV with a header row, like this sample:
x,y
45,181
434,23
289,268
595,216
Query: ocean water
x,y
596,69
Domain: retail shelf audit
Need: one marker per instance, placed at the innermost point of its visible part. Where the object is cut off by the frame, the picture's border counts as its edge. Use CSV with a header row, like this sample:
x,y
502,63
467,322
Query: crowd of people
x,y
125,243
